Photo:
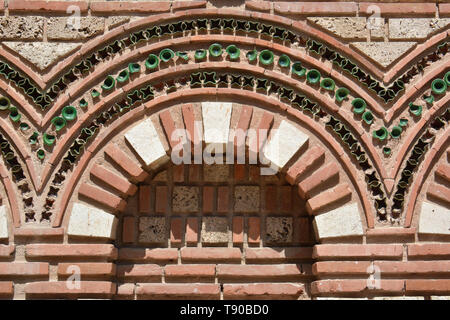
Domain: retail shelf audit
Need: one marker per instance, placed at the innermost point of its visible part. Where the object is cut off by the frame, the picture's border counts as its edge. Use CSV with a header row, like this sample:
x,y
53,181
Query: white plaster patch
x,y
89,221
341,222
384,53
3,223
144,139
434,219
284,143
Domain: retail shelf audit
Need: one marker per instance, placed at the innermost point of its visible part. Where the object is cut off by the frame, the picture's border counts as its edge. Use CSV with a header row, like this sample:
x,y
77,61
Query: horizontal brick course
x,y
341,268
18,269
141,272
355,286
316,8
6,288
250,272
358,251
401,268
172,291
189,272
104,251
430,286
6,250
25,6
87,269
118,7
263,291
429,251
210,254
159,255
277,255
60,289
399,9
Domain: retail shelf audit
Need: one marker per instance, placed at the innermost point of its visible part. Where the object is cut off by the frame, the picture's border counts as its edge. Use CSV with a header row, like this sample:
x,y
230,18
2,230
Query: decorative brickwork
x,y
182,149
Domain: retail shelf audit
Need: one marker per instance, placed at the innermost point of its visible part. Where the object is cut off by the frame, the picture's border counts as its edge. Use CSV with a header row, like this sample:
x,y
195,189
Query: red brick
x,y
243,124
422,287
303,231
262,132
184,5
191,230
208,199
178,173
176,227
118,183
53,233
286,199
263,6
133,170
254,230
144,199
329,198
189,120
6,288
128,230
26,6
169,127
239,172
157,255
403,268
338,268
59,288
259,271
317,179
429,251
358,251
147,272
277,255
312,157
183,290
87,269
190,272
383,233
238,230
443,171
210,255
271,199
18,269
354,286
114,7
6,250
102,197
316,8
222,199
263,291
399,9
194,172
105,251
444,10
126,290
439,192
161,199
254,173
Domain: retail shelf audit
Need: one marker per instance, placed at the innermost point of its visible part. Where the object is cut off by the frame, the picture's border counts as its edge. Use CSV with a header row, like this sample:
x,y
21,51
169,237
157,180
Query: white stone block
x,y
283,144
216,122
144,139
341,222
3,223
434,219
89,221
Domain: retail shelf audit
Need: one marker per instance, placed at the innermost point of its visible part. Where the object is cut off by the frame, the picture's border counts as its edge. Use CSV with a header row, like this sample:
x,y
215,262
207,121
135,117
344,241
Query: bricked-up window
x,y
216,205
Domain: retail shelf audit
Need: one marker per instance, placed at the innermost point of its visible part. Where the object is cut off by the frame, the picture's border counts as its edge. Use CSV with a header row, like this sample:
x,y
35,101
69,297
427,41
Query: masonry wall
x,y
347,104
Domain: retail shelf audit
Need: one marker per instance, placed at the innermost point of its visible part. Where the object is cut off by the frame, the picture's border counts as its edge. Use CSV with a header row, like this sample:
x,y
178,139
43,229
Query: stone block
x,y
415,28
61,28
152,230
87,221
434,219
144,139
216,123
21,28
341,222
279,229
344,27
282,145
214,230
246,199
215,173
185,199
3,223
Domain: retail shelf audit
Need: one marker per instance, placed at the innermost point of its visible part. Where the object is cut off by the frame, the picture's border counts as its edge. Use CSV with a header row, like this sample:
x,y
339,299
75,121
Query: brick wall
x,y
353,96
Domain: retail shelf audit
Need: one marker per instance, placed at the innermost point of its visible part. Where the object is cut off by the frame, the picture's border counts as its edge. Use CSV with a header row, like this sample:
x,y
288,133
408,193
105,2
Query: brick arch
x,y
336,214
